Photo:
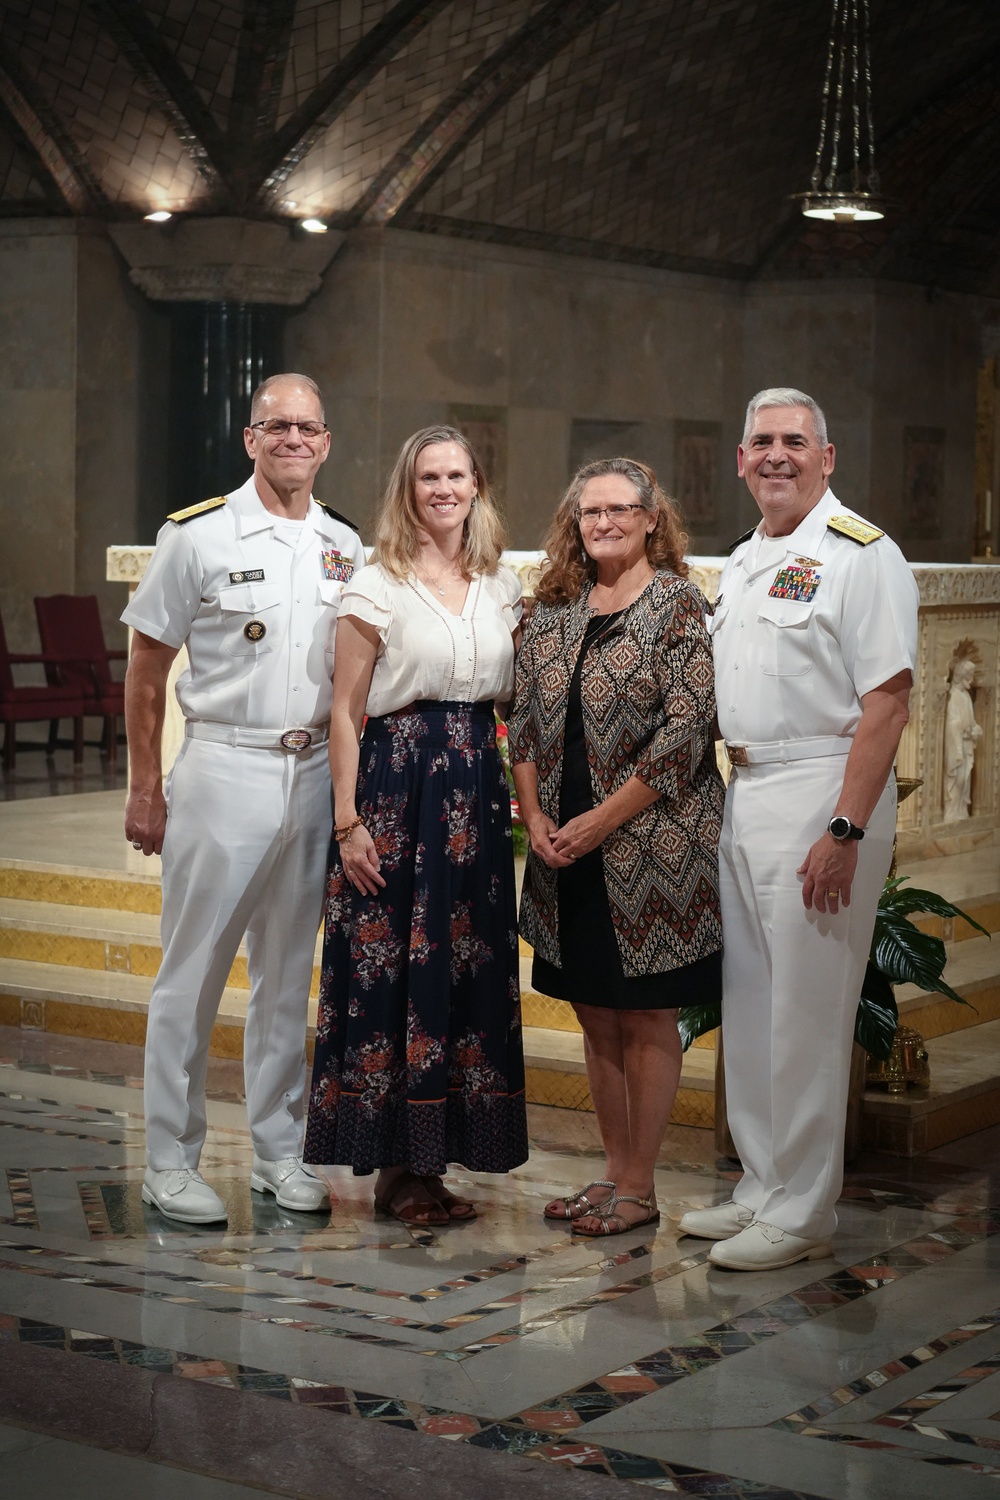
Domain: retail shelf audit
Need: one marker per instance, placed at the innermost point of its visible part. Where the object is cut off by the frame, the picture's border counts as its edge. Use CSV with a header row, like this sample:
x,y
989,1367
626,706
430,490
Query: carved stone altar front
x,y
958,659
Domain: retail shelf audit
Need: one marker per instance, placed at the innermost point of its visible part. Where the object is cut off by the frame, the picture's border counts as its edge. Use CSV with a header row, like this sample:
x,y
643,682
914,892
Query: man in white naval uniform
x,y
814,634
250,583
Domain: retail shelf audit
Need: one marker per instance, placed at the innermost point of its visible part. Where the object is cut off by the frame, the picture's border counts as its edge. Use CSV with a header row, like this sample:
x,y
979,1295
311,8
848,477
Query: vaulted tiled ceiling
x,y
668,134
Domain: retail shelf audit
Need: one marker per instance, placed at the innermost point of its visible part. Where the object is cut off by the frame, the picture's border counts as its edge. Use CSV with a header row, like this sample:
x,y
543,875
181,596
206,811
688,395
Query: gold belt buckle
x,y
737,755
296,739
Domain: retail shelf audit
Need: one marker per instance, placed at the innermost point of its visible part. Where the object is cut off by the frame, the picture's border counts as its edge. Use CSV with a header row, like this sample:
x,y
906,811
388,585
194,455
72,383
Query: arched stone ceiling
x,y
666,134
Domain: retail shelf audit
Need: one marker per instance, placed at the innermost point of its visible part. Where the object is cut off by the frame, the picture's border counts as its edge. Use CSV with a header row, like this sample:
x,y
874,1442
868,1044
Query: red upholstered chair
x,y
78,659
29,705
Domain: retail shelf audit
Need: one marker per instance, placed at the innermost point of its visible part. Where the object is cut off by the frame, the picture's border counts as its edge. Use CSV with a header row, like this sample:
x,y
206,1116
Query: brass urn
x,y
907,1063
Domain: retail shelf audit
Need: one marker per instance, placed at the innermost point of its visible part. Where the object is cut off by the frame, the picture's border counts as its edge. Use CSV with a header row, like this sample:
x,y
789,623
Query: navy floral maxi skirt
x,y
418,1041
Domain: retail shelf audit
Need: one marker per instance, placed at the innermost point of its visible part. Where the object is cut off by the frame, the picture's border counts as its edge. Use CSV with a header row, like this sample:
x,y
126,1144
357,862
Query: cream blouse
x,y
427,652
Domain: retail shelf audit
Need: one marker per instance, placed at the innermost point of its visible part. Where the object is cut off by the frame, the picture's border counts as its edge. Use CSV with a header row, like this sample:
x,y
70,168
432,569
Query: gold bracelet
x,y
340,834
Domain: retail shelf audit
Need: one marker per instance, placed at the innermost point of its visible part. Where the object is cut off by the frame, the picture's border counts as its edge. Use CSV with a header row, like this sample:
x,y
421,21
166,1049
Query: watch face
x,y
840,827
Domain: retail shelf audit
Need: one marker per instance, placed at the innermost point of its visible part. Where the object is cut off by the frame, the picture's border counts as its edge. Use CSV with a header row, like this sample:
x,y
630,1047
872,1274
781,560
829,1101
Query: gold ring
x,y
833,893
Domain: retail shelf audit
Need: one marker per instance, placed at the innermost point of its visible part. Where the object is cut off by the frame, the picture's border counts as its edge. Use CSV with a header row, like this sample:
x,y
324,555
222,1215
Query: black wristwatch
x,y
842,828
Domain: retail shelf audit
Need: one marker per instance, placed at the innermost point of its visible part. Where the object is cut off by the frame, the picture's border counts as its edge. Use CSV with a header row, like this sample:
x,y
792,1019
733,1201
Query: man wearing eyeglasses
x,y
250,583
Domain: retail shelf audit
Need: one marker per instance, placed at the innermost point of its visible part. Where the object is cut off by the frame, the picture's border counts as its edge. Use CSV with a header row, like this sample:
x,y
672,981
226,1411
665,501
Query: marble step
x,y
556,1074
963,1097
118,941
127,942
111,1006
71,885
104,1005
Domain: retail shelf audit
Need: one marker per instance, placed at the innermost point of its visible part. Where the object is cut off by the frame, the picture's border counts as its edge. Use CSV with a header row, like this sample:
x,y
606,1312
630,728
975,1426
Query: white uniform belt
x,y
291,740
769,752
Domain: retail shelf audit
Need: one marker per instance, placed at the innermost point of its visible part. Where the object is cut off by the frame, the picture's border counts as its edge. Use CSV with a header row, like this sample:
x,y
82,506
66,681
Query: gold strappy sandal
x,y
615,1223
581,1203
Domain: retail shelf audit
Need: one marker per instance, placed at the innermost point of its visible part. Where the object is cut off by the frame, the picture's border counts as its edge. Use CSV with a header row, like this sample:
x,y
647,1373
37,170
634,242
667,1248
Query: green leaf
x,y
905,955
913,899
694,1020
877,1017
876,987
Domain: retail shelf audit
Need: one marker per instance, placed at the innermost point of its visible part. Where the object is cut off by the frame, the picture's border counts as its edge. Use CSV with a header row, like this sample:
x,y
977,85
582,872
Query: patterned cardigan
x,y
648,703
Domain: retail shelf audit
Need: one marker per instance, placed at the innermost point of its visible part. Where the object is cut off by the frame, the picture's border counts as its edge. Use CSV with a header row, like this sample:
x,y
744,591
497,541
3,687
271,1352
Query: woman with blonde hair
x,y
418,1045
611,738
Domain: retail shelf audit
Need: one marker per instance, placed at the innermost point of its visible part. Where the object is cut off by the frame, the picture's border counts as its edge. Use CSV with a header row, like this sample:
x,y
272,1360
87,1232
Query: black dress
x,y
591,972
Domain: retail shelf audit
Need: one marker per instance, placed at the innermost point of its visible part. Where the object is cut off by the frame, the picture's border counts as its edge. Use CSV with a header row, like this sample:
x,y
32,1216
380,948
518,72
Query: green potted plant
x,y
900,954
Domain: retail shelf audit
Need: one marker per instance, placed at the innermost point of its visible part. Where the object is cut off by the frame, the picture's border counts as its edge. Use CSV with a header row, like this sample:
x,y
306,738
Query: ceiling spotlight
x,y
160,216
314,226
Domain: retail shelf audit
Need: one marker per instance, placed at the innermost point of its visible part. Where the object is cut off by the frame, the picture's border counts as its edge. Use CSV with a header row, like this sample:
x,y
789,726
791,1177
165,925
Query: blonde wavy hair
x,y
568,565
397,525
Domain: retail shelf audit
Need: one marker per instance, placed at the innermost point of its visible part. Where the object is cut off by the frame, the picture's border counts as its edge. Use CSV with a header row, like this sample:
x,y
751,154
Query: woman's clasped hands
x,y
558,846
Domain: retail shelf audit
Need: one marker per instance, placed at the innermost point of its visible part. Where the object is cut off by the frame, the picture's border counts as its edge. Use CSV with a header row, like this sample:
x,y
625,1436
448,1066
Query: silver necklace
x,y
437,581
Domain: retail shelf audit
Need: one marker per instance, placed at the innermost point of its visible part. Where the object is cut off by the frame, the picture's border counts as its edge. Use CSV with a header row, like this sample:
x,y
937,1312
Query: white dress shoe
x,y
765,1247
292,1183
182,1193
718,1223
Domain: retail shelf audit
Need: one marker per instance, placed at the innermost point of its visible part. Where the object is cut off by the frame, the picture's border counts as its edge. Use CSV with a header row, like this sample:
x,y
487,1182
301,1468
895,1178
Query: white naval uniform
x,y
790,674
248,827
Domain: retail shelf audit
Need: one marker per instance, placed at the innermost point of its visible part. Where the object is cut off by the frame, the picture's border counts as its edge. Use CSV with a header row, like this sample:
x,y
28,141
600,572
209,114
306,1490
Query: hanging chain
x,y
825,103
848,69
873,182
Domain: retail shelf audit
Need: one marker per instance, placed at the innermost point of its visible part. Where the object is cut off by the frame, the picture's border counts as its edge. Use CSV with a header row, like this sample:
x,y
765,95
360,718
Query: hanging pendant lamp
x,y
844,186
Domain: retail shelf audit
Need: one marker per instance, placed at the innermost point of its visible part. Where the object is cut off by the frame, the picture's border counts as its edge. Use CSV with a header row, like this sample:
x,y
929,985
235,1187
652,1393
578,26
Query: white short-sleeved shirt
x,y
256,603
801,633
427,652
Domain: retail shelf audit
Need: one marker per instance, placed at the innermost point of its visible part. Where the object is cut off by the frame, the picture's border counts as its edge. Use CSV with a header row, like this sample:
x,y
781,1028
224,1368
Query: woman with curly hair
x,y
611,740
418,1043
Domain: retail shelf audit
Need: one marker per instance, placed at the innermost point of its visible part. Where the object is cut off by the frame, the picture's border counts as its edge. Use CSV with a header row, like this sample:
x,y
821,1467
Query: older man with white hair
x,y
814,633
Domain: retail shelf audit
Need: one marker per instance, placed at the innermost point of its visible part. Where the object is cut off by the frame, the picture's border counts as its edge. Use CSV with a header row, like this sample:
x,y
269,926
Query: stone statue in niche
x,y
961,734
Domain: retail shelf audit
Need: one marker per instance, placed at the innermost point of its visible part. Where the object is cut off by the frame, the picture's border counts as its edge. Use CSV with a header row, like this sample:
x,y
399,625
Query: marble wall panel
x,y
818,339
109,315
926,353
38,390
537,461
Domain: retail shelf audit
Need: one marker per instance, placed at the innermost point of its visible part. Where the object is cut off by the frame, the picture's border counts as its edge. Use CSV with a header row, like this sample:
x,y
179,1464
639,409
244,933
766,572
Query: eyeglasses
x,y
591,514
278,427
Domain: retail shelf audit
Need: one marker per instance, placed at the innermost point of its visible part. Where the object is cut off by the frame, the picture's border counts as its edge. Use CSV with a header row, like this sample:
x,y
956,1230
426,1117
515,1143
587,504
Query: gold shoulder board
x,y
858,531
189,513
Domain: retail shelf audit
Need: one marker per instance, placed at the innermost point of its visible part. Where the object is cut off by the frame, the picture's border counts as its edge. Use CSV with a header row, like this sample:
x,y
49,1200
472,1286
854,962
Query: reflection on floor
x,y
627,1358
38,774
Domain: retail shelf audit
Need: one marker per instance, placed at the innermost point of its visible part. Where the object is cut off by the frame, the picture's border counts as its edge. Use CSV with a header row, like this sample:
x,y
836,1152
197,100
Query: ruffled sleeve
x,y
368,597
509,593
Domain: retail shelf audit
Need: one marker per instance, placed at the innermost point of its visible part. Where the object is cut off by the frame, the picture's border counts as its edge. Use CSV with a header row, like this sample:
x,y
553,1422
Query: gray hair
x,y
289,377
786,395
640,477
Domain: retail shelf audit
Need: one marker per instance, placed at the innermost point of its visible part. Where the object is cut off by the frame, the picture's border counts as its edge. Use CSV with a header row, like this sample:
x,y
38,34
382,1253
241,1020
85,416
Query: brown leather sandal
x,y
459,1209
615,1223
581,1203
409,1201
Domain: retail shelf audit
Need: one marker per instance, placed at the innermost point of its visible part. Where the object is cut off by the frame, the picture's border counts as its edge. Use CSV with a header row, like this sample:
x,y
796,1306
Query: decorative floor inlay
x,y
455,1426
430,1329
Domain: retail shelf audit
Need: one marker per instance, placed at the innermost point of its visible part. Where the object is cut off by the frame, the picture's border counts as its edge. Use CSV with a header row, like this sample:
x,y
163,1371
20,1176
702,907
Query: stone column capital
x,y
225,260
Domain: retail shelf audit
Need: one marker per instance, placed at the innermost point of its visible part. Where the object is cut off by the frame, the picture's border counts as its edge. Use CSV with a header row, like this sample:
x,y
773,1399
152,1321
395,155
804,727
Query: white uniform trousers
x,y
245,852
791,983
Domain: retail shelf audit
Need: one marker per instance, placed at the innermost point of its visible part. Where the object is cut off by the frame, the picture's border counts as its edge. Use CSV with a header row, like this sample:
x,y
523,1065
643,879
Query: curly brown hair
x,y
568,566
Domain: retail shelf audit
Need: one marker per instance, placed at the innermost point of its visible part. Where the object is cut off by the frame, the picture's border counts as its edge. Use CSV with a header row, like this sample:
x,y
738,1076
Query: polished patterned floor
x,y
486,1343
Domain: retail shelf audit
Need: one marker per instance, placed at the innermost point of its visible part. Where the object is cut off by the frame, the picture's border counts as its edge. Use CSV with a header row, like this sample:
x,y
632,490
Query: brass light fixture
x,y
844,186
